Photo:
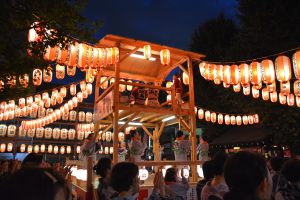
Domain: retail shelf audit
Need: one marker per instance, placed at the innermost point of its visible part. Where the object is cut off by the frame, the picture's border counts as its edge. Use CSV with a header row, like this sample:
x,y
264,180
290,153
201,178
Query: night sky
x,y
167,22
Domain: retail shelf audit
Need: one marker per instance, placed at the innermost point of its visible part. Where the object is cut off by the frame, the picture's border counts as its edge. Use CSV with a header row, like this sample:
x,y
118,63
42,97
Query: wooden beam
x,y
183,69
164,74
128,54
145,85
148,132
127,75
149,116
129,120
159,118
161,129
104,93
105,80
104,130
123,115
116,112
185,125
137,108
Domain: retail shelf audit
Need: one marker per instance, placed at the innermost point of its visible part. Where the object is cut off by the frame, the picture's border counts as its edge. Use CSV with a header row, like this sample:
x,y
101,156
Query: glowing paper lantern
x,y
268,71
298,101
200,113
82,55
9,147
226,74
285,87
72,89
218,74
24,80
47,74
37,77
129,87
245,120
71,71
283,68
235,74
255,92
244,74
220,119
79,97
290,99
225,85
237,88
282,98
56,133
71,134
68,149
78,149
213,117
232,120
207,115
143,174
250,119
238,120
265,94
122,87
29,149
255,73
81,116
227,119
211,72
202,68
22,148
50,148
2,147
89,88
256,118
297,88
147,52
165,57
271,87
63,134
296,64
36,149
89,117
62,150
55,149
43,147
273,96
89,78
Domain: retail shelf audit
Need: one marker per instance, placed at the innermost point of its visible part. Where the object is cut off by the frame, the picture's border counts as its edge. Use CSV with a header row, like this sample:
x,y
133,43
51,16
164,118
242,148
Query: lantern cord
x,y
259,58
204,109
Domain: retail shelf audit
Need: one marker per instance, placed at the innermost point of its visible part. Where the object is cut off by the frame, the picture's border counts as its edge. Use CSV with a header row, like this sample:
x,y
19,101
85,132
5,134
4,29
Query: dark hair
x,y
208,170
179,133
132,133
32,160
219,161
90,136
291,170
34,184
243,174
170,175
123,175
204,138
276,163
102,166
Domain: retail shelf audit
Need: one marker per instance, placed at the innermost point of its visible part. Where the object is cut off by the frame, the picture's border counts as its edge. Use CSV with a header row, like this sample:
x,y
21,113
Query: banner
x,y
104,107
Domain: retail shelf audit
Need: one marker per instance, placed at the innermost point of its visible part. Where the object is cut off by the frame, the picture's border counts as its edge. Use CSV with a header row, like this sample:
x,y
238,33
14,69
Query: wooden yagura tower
x,y
113,113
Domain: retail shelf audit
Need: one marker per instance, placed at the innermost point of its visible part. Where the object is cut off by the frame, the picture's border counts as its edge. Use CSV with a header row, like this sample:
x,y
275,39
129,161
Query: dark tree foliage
x,y
16,19
265,28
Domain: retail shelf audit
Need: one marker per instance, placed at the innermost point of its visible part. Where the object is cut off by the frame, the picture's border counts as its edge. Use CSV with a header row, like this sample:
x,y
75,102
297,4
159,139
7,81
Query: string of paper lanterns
x,y
225,118
258,73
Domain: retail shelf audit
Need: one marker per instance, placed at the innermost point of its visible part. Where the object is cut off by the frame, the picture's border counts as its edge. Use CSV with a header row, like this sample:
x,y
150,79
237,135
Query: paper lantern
x,y
232,120
102,57
103,85
9,147
37,77
73,89
47,74
56,133
108,136
200,113
218,74
82,55
21,102
298,101
256,118
63,134
11,81
89,78
29,101
271,87
211,71
68,149
207,115
24,80
285,87
255,92
82,85
129,87
213,117
250,119
290,99
81,116
11,131
220,119
73,115
22,148
246,90
71,134
31,132
71,71
147,52
273,96
282,98
283,68
227,119
72,61
2,147
296,64
50,148
235,75
143,174
62,150
225,85
112,55
36,149
122,87
80,135
226,74
265,94
55,150
106,150
165,57
89,88
63,92
238,120
78,149
237,88
185,78
202,68
268,71
297,88
245,120
89,117
29,149
244,74
22,132
255,73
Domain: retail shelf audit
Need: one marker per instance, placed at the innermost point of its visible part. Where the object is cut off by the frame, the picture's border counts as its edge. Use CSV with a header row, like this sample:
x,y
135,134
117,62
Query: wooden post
x,y
116,112
192,120
96,127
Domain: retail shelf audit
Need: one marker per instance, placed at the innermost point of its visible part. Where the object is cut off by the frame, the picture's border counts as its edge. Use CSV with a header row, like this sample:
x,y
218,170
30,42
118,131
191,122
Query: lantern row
x,y
227,119
256,73
57,114
108,136
32,104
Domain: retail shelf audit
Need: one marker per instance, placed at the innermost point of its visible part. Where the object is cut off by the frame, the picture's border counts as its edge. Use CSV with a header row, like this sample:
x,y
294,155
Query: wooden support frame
x,y
147,132
129,119
104,130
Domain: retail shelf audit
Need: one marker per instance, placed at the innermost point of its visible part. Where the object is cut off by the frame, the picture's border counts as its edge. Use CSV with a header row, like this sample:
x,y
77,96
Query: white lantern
x,y
143,174
55,150
48,133
22,132
62,150
71,134
36,149
43,147
78,149
80,135
108,136
3,129
111,150
9,147
68,149
22,148
89,117
50,148
65,116
11,131
29,149
56,133
31,133
64,134
73,115
81,116
40,132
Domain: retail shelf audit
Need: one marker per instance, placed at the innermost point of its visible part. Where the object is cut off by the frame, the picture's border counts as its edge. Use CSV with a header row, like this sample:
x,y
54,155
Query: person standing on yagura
x,y
181,147
136,146
203,148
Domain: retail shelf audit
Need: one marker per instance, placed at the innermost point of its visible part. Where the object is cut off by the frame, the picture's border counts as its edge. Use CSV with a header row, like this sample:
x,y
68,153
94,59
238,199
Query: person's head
x,y
208,170
90,136
276,163
247,177
103,167
175,76
171,175
203,139
32,160
35,184
291,171
180,135
134,134
219,161
124,177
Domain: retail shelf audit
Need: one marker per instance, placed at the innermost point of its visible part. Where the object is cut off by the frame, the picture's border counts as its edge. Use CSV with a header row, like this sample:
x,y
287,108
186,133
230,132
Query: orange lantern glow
x,y
238,120
129,87
78,149
235,74
63,92
21,102
282,98
60,71
245,120
226,74
255,92
29,149
55,150
271,87
250,119
114,55
37,77
72,60
255,73
102,57
218,74
73,89
43,147
265,94
103,84
47,75
85,94
232,120
291,99
297,88
147,52
207,115
213,117
202,68
79,97
82,55
51,53
283,68
273,96
200,114
220,119
237,88
24,80
226,85
50,148
2,147
227,119
89,88
165,57
256,118
298,101
22,148
89,78
36,149
296,64
68,149
82,85
211,71
268,71
122,87
285,87
245,74
62,150
71,71
185,78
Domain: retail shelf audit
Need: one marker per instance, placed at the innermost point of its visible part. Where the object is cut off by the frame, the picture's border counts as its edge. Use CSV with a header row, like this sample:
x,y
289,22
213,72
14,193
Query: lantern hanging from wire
x,y
244,74
237,87
255,92
213,117
265,94
147,52
283,69
268,71
129,87
282,98
273,97
285,88
272,87
235,74
238,120
255,73
37,77
296,64
297,88
245,120
220,118
185,78
165,57
246,90
226,74
47,74
24,80
298,101
232,120
290,99
200,113
227,119
207,115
